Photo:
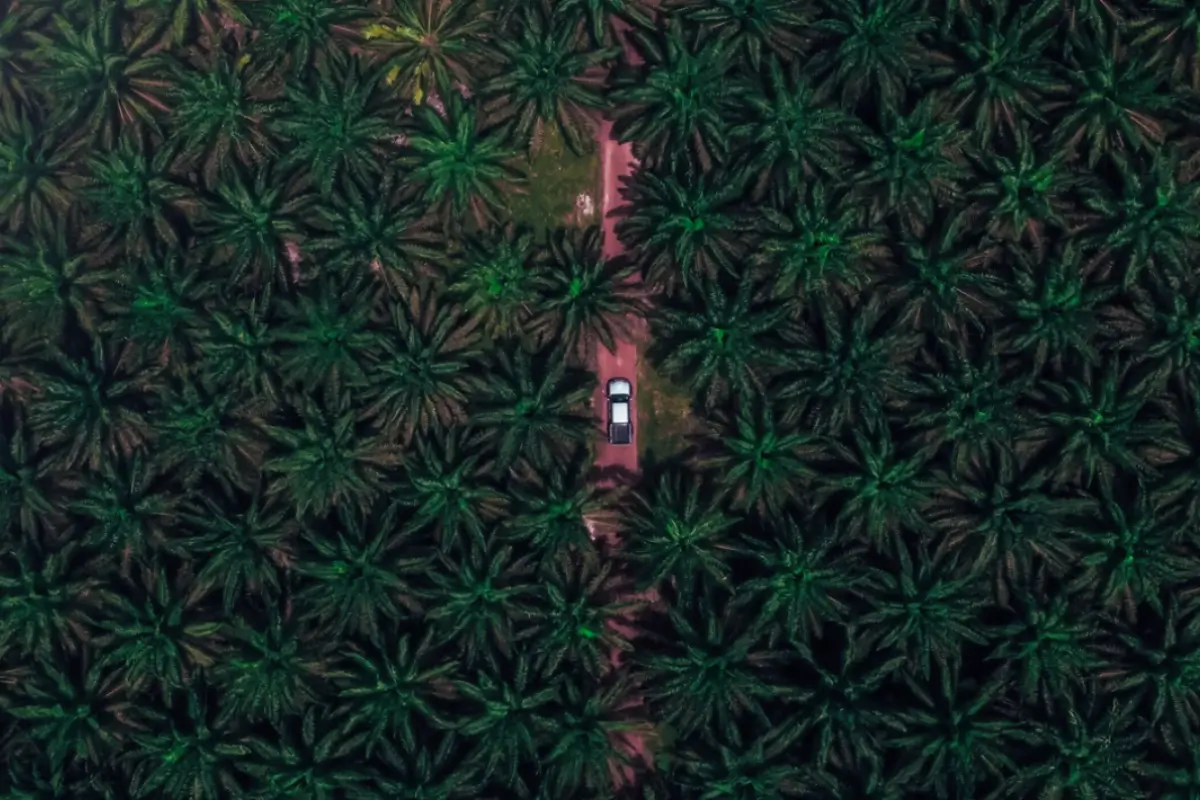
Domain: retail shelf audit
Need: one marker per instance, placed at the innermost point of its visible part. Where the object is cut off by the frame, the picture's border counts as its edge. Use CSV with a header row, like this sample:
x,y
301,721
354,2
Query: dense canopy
x,y
298,419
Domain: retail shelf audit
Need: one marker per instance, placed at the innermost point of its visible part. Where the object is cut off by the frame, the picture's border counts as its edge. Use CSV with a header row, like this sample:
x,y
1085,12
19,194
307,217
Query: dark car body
x,y
620,411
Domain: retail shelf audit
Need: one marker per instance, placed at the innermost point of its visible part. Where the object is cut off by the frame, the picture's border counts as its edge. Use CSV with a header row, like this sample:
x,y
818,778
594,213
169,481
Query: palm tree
x,y
940,282
1051,643
731,765
494,279
334,122
1166,34
837,688
1024,195
559,510
915,165
323,338
996,71
880,482
1163,329
1097,421
158,631
719,346
791,134
679,101
242,537
1182,411
595,723
461,164
78,713
16,19
483,601
186,754
160,306
307,757
298,33
757,28
437,764
961,731
254,214
706,669
102,86
843,364
450,485
678,533
546,74
806,574
396,691
604,20
508,718
821,246
682,225
925,610
27,483
278,668
1110,103
764,466
218,106
377,230
353,579
1001,514
53,594
1179,777
584,298
329,460
126,507
93,408
1052,302
865,45
585,599
235,352
429,45
38,172
423,377
202,433
179,22
131,192
50,288
967,403
1152,224
532,410
1090,748
1155,662
1133,553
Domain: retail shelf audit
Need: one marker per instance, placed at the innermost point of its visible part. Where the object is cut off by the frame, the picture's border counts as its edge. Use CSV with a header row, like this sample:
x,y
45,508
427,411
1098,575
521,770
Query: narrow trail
x,y
617,465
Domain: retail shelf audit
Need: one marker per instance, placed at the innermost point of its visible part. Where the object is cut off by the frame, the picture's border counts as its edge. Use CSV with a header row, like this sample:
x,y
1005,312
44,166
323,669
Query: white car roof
x,y
619,386
620,412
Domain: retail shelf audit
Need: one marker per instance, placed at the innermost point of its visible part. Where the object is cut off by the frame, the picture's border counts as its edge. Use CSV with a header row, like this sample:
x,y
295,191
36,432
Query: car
x,y
620,413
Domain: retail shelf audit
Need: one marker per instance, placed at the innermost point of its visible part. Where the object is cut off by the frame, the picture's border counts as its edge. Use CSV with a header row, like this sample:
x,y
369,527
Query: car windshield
x,y
618,387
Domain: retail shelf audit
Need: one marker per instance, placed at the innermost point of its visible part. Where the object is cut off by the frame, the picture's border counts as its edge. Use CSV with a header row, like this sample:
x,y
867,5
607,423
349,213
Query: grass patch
x,y
556,177
664,414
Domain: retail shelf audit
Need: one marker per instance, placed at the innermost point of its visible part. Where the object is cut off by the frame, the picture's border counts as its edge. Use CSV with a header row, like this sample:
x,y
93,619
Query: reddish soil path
x,y
615,160
618,464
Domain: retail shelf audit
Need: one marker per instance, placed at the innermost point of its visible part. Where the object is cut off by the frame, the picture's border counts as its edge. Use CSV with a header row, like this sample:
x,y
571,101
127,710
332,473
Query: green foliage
x,y
545,77
676,103
585,300
303,492
106,85
461,164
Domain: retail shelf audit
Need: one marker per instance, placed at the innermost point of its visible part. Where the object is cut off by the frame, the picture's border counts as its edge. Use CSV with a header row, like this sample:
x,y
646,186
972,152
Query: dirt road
x,y
618,464
615,460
